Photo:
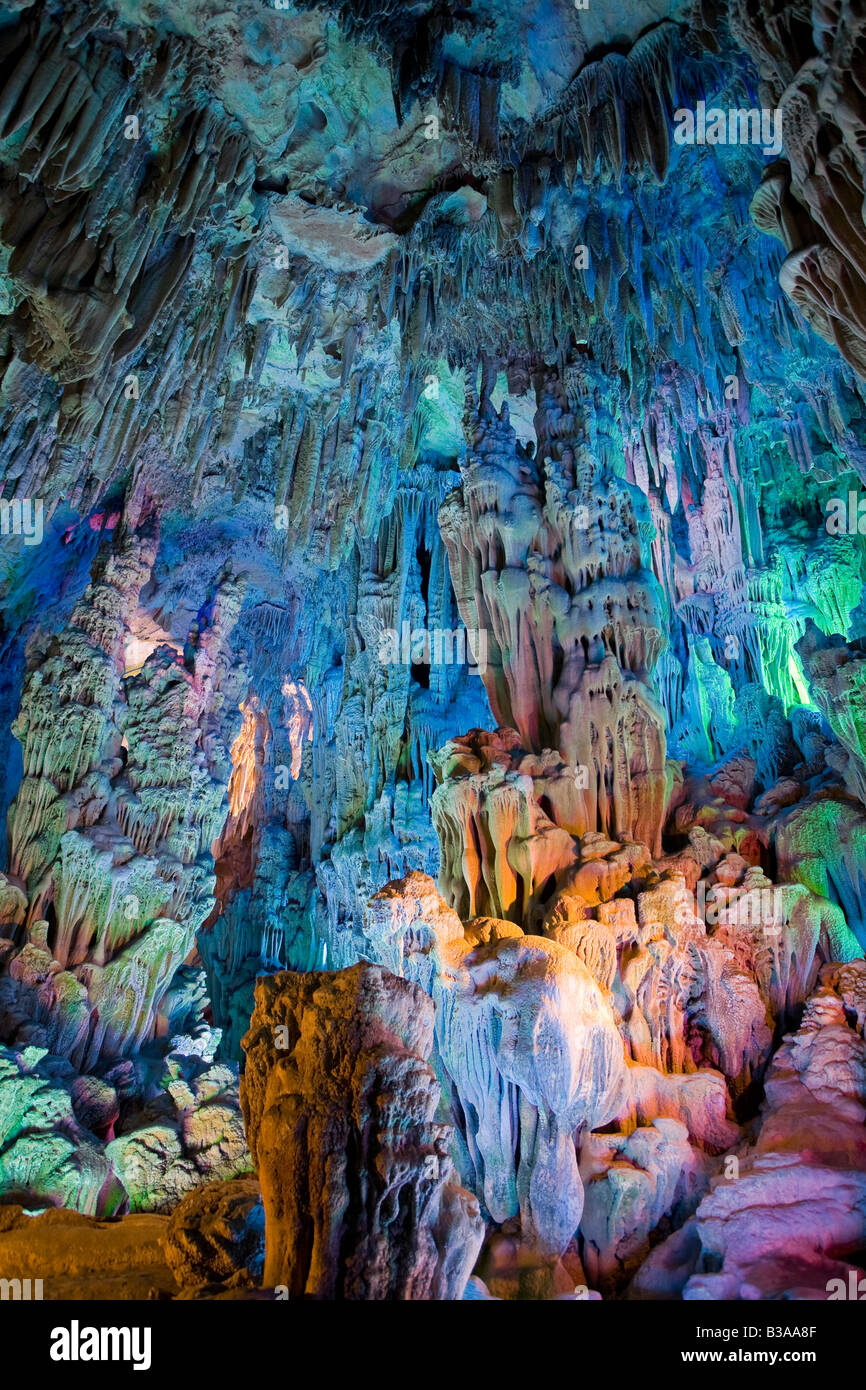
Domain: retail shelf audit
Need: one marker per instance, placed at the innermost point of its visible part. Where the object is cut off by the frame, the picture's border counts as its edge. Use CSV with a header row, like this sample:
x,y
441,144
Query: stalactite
x,y
372,376
549,565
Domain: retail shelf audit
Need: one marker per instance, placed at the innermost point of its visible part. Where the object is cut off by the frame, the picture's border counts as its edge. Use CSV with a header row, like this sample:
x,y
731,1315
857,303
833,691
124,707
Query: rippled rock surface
x,y
432,560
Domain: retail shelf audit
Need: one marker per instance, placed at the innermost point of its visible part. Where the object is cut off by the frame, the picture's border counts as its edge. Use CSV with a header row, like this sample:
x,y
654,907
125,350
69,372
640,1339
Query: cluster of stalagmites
x,y
546,557
586,1058
110,1097
781,1220
602,1014
597,1063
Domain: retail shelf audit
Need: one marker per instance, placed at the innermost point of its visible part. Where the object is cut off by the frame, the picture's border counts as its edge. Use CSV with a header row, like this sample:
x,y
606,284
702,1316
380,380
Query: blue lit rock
x,y
421,466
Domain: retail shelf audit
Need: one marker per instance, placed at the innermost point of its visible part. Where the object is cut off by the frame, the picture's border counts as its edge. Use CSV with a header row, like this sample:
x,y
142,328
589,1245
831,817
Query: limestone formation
x,y
340,1108
432,452
781,1226
111,835
217,1233
813,204
641,1008
545,555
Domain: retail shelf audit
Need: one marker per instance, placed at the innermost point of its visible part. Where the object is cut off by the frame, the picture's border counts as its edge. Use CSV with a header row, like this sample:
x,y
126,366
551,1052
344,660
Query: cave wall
x,y
419,463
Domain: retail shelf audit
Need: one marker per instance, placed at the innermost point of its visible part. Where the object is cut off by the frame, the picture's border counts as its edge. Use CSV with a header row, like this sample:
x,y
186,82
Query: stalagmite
x,y
339,1102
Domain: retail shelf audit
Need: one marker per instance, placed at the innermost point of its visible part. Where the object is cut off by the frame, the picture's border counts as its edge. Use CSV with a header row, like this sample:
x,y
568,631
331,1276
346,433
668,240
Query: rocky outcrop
x,y
792,1205
217,1234
652,1010
48,1156
340,1108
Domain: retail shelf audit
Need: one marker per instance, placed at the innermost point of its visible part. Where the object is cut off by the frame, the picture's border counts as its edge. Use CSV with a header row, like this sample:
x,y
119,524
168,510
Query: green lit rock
x,y
46,1157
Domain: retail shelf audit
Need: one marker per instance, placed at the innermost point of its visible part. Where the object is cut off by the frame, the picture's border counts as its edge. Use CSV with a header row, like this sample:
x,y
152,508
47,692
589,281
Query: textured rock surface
x,y
340,1107
638,1015
217,1233
812,204
420,461
545,556
796,1204
522,1101
111,833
